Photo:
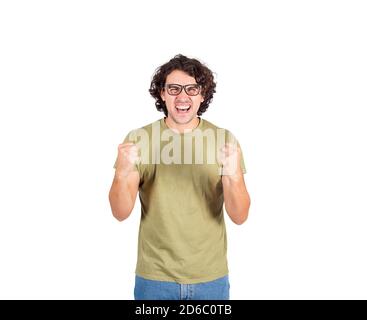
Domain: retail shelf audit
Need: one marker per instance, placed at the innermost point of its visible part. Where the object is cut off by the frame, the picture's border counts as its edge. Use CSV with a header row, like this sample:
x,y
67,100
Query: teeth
x,y
182,107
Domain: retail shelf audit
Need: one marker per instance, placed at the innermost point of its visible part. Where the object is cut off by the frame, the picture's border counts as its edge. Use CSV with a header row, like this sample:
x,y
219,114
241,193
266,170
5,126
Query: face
x,y
182,108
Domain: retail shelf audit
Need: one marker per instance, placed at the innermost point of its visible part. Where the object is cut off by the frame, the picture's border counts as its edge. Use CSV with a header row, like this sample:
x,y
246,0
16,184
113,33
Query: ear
x,y
162,95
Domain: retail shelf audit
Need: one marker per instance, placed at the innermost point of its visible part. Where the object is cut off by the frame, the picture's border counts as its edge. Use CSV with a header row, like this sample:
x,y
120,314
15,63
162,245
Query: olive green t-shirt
x,y
182,234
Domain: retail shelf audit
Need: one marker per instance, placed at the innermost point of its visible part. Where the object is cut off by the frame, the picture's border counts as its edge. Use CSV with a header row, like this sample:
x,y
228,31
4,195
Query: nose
x,y
183,94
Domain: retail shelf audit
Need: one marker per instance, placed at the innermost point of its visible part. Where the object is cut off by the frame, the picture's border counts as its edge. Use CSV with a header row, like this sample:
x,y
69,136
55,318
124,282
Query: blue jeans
x,y
164,290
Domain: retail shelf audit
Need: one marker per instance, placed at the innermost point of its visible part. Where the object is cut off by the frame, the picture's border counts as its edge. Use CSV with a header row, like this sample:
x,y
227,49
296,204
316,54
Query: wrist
x,y
232,178
121,174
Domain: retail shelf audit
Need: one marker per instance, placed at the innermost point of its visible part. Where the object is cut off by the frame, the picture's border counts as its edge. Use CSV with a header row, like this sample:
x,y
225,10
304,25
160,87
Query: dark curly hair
x,y
194,68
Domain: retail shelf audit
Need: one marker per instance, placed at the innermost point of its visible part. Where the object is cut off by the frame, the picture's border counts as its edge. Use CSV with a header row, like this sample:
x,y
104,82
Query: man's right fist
x,y
127,158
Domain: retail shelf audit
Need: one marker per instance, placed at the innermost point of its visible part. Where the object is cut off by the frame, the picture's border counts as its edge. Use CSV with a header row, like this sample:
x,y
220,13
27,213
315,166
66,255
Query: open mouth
x,y
183,109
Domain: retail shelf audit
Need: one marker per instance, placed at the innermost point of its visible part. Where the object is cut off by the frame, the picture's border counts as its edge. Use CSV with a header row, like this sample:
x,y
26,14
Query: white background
x,y
292,79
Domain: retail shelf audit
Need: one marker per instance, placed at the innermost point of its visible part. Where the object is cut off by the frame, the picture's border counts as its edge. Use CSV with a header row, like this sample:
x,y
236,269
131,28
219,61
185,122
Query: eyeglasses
x,y
190,89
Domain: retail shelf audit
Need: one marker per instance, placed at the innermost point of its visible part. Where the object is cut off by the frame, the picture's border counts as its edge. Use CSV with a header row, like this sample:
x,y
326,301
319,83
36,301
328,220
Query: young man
x,y
184,168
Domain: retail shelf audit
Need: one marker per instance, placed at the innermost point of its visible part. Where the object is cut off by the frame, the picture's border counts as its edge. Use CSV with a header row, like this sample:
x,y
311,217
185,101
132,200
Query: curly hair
x,y
194,68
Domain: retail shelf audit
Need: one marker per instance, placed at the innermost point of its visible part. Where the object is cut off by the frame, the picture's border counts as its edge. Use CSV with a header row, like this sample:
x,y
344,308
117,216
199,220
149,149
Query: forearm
x,y
121,200
236,197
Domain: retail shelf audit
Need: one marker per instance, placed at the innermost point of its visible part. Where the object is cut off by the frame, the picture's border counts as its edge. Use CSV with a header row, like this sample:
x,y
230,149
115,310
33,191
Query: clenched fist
x,y
229,157
127,158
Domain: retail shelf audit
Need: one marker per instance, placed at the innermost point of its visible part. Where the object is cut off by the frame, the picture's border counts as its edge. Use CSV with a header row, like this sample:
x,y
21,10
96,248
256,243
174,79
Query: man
x,y
184,168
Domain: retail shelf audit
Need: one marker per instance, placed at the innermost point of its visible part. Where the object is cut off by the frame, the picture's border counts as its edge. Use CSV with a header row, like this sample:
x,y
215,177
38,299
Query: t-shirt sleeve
x,y
130,137
230,138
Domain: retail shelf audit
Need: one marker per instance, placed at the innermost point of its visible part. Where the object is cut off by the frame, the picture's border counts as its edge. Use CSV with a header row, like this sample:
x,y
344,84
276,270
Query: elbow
x,y
120,216
242,217
119,213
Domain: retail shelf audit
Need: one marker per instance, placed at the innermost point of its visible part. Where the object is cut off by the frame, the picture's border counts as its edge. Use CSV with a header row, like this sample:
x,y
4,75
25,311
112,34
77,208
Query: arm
x,y
236,198
123,193
125,183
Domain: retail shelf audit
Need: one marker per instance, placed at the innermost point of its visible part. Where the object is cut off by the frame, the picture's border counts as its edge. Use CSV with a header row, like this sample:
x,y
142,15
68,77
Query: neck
x,y
182,127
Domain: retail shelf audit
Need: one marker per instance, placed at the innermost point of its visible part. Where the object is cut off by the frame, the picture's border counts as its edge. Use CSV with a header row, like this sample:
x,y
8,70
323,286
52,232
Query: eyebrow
x,y
189,84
